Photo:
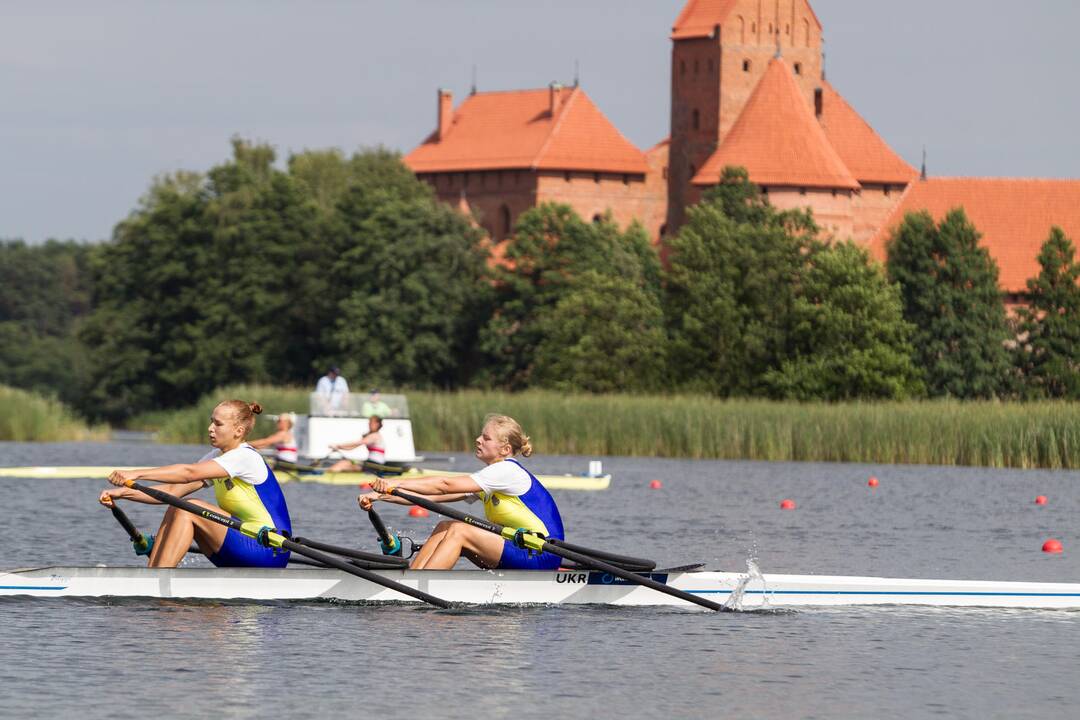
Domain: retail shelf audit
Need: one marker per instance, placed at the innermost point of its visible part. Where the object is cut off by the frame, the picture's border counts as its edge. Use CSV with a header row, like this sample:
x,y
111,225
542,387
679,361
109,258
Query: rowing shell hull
x,y
481,587
551,482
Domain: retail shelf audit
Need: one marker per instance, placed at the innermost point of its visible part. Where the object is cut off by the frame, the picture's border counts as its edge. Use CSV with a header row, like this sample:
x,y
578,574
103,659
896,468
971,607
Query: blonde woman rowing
x,y
512,497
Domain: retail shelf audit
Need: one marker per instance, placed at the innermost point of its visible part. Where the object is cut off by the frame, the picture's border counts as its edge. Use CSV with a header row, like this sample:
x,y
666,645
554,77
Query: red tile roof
x,y
516,130
699,17
1014,216
778,140
862,150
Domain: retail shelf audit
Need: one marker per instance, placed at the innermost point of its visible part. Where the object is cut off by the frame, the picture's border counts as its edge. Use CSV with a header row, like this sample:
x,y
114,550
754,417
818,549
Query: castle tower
x,y
720,51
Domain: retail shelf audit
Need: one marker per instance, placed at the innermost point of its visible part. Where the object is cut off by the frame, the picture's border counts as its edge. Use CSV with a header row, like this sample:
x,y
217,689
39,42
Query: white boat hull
x,y
480,587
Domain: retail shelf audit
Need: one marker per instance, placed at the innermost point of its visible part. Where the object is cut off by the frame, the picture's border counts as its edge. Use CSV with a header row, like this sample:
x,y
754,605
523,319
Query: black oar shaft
x,y
579,558
288,544
125,522
380,528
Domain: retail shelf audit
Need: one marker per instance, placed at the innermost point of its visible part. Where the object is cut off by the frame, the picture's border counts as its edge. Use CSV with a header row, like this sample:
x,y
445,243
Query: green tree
x,y
1049,354
849,337
44,294
733,277
415,281
552,247
606,334
949,285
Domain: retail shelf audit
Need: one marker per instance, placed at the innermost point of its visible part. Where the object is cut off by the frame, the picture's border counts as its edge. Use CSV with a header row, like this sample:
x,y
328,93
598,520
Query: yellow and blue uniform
x,y
535,511
249,498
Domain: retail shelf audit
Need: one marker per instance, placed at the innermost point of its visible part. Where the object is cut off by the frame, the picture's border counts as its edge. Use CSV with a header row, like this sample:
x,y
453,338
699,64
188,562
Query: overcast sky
x,y
96,98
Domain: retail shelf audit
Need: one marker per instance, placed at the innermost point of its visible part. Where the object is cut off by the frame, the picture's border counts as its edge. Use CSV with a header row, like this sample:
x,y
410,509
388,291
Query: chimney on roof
x,y
819,102
554,98
446,112
922,173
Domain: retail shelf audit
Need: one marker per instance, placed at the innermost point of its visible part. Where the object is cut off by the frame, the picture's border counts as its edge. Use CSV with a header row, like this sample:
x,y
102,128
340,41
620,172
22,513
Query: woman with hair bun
x,y
244,487
512,497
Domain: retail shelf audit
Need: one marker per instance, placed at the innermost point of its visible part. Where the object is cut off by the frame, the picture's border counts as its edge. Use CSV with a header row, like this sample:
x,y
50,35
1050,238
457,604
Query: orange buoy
x,y
787,504
417,511
872,482
365,486
1040,499
656,485
1053,546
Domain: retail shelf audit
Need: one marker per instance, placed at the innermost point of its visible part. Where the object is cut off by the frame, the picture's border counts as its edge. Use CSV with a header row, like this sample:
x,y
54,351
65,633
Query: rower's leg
x,y
178,528
453,539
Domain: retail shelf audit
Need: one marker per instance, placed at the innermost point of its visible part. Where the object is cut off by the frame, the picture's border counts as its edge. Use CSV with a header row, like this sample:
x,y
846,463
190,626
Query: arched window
x,y
742,30
806,33
696,119
507,221
663,230
596,177
798,68
566,175
597,219
746,66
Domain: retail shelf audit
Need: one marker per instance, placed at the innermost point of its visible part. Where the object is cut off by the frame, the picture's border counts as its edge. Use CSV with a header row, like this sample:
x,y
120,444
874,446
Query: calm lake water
x,y
97,659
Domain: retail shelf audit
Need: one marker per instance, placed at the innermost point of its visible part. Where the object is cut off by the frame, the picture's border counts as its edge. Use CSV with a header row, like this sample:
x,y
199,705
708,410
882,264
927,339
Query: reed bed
x,y
28,417
987,434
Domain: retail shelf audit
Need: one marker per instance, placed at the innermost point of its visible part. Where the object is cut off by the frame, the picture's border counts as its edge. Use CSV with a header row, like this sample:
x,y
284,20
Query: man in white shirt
x,y
332,390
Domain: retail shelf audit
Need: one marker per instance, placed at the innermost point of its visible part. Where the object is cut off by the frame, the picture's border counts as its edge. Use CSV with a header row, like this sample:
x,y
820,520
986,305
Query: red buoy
x,y
1040,499
872,482
656,485
787,504
1053,546
417,511
365,486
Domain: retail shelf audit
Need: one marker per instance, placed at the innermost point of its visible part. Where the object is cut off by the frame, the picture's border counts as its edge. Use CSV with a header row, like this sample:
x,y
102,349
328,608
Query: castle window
x,y
834,192
625,179
753,28
566,176
746,66
802,191
597,219
596,177
798,68
507,226
770,28
696,119
663,230
886,190
787,29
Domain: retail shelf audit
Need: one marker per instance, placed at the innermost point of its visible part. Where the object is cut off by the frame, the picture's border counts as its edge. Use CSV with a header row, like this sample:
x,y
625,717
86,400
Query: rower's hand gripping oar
x,y
274,539
142,542
533,541
390,544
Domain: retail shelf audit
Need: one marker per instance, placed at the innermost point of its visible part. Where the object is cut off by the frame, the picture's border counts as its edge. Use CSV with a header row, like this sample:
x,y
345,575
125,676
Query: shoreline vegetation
x,y
1044,434
31,417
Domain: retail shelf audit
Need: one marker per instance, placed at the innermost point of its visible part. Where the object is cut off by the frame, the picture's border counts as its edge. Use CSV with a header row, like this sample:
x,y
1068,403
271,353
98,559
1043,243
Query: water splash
x,y
753,572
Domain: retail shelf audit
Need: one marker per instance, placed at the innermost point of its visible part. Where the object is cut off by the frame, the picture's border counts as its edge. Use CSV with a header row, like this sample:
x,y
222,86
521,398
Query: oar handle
x,y
535,541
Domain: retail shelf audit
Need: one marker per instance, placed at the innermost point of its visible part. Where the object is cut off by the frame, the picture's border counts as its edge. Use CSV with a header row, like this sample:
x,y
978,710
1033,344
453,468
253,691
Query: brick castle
x,y
748,89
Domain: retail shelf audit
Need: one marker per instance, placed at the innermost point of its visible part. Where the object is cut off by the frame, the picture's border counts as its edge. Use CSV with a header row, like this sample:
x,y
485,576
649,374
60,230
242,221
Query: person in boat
x,y
373,441
375,405
244,487
332,391
282,440
512,497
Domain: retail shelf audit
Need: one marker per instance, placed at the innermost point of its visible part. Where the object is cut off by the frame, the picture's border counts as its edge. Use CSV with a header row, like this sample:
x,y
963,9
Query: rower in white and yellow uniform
x,y
512,497
244,487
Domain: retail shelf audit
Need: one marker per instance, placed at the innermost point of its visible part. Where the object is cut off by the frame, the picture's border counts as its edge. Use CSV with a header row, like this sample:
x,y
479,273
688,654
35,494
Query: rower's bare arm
x,y
124,493
439,485
269,440
180,474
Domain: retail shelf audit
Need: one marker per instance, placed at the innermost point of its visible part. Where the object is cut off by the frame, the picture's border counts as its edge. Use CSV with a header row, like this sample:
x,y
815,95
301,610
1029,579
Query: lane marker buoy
x,y
417,511
1053,546
787,504
872,482
656,485
1040,499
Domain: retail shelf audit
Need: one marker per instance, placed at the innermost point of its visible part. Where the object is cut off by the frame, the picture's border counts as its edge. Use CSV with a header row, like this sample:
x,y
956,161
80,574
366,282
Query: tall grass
x,y
989,434
28,417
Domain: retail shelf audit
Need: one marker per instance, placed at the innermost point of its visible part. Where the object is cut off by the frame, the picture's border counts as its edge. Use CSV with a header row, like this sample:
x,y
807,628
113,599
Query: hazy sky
x,y
98,97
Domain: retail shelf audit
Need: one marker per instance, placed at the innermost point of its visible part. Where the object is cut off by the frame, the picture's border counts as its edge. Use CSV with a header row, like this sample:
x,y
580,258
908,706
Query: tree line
x,y
254,273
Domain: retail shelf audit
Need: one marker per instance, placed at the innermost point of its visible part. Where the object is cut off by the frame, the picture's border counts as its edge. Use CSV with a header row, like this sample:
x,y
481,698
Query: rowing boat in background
x,y
552,482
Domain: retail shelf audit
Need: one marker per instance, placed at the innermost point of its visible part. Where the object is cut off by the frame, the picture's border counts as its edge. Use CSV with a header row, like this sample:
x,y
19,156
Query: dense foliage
x,y
257,273
951,295
1049,351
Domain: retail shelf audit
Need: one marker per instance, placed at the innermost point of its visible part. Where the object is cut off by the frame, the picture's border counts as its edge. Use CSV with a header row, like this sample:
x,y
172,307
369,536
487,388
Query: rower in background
x,y
244,487
282,440
512,497
373,441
